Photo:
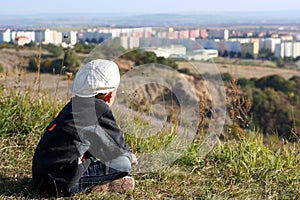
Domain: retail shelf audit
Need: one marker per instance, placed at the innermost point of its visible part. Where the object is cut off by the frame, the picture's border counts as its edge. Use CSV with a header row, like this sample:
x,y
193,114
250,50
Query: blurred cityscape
x,y
193,42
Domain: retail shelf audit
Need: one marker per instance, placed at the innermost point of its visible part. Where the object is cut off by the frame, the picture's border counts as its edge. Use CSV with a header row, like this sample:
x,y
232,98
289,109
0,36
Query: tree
x,y
278,83
46,66
31,44
243,82
265,54
79,47
94,41
56,51
280,62
225,54
33,64
249,56
272,111
226,77
70,59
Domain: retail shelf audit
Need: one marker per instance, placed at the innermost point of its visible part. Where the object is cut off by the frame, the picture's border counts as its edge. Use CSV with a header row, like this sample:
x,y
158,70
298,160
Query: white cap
x,y
97,76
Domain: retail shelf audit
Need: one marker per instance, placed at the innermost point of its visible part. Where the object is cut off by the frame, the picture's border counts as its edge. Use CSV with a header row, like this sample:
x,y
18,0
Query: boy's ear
x,y
107,97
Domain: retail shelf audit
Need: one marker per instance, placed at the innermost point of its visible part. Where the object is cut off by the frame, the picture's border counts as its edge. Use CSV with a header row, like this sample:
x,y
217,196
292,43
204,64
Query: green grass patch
x,y
235,169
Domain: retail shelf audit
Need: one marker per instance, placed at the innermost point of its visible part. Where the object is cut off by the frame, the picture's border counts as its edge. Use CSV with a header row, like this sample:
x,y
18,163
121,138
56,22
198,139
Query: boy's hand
x,y
134,160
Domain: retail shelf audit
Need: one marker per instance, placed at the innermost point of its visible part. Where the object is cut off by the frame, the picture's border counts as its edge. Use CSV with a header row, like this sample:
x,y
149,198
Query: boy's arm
x,y
106,140
108,123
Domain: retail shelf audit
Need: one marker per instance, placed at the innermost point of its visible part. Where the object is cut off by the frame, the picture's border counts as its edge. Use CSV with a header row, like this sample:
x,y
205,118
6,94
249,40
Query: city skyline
x,y
33,7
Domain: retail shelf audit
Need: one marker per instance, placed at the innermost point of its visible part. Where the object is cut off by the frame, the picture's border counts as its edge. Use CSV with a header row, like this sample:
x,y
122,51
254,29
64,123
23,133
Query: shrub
x,y
1,68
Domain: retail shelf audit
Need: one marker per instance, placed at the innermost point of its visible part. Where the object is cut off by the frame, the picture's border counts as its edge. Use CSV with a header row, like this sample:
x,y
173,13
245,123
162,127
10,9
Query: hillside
x,y
233,163
241,168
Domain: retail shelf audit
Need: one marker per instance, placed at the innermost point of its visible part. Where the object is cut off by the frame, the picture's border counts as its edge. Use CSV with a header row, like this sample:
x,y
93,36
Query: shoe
x,y
122,185
125,184
100,188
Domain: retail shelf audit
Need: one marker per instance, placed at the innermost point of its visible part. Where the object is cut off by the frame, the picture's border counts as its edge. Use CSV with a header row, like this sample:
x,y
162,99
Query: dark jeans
x,y
97,173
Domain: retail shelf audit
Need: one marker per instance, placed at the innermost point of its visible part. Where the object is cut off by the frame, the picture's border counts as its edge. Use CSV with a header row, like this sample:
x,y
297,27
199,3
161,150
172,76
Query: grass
x,y
244,168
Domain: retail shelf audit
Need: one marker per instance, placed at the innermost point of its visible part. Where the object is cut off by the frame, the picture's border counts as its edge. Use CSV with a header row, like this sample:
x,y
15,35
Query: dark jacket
x,y
85,127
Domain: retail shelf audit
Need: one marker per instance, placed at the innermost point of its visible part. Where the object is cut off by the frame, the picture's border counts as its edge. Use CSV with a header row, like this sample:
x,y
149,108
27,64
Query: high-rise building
x,y
218,34
70,37
270,43
250,49
287,49
5,35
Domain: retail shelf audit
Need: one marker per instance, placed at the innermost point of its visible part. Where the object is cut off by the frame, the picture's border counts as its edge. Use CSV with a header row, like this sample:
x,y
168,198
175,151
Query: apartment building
x,y
70,37
47,36
288,49
218,34
129,42
93,36
233,46
250,49
184,34
5,35
194,34
22,37
270,43
203,33
296,49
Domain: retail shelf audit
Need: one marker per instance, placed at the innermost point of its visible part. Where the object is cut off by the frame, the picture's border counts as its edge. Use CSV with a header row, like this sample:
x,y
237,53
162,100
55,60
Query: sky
x,y
29,7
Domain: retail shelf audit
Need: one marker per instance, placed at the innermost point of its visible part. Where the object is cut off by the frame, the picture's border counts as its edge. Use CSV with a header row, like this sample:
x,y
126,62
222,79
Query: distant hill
x,y
185,19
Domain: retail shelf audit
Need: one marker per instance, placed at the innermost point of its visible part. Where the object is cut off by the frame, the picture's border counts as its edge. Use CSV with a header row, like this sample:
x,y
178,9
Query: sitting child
x,y
83,148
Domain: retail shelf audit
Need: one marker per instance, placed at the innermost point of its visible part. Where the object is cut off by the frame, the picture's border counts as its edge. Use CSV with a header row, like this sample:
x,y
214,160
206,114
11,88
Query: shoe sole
x,y
125,184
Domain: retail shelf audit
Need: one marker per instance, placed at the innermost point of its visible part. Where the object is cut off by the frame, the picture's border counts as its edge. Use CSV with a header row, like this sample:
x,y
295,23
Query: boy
x,y
83,148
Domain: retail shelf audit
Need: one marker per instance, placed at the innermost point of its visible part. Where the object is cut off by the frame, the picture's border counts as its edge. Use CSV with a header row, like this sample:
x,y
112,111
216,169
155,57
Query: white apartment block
x,y
288,49
135,32
129,42
43,36
5,35
296,49
269,43
70,37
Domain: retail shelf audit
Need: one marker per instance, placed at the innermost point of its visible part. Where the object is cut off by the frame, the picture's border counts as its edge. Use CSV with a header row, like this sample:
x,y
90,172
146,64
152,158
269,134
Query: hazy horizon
x,y
32,13
37,7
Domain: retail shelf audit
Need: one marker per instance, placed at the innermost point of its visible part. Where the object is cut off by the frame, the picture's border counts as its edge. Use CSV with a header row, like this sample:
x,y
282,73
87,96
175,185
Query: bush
x,y
33,64
226,77
144,57
71,59
278,83
243,82
184,71
1,68
55,50
272,111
